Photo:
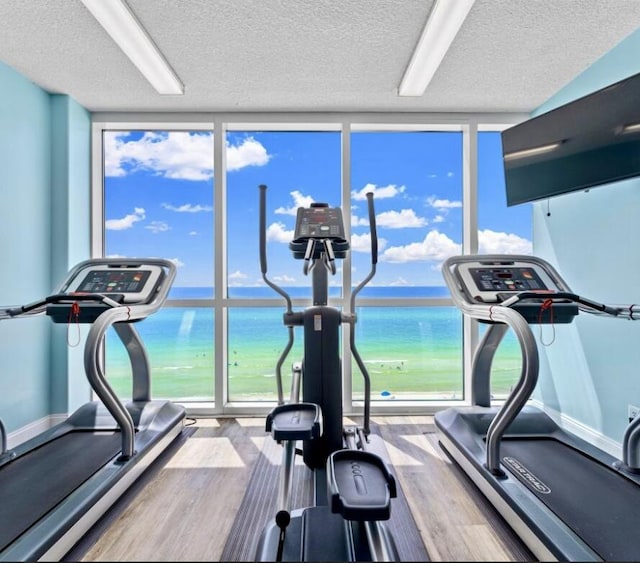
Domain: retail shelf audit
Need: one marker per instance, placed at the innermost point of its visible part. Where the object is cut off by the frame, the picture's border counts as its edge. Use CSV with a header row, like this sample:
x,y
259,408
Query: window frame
x,y
220,123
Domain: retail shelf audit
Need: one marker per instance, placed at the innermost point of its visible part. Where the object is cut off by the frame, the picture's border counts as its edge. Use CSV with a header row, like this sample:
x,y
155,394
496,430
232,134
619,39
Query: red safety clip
x,y
74,318
547,304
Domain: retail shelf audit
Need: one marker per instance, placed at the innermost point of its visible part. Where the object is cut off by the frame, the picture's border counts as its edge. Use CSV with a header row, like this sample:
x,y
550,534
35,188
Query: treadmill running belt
x,y
37,481
596,502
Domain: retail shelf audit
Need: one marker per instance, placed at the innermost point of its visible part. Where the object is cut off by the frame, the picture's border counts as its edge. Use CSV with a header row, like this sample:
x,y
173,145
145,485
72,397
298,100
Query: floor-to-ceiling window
x,y
158,202
218,344
411,340
298,168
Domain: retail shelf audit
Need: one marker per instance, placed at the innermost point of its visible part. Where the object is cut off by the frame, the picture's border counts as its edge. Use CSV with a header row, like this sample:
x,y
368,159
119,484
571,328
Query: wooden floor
x,y
183,507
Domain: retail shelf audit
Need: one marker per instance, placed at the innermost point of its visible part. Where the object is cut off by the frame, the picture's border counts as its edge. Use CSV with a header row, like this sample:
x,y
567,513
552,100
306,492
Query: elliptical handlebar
x,y
263,248
352,317
276,288
373,229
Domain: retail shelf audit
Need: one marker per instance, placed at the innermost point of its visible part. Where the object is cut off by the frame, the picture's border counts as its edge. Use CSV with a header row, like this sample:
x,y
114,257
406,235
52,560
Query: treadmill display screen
x,y
507,279
117,281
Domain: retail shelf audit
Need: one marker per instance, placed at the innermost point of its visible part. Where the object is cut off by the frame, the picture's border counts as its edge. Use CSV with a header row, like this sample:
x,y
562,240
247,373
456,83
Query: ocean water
x,y
409,352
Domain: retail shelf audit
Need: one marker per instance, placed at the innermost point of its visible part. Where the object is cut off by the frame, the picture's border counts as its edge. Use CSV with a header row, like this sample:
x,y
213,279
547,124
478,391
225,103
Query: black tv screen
x,y
591,141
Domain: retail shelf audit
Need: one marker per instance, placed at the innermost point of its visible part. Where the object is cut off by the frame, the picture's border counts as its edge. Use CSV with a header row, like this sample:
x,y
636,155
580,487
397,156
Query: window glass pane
x,y
179,343
257,337
416,179
298,168
411,353
158,202
501,230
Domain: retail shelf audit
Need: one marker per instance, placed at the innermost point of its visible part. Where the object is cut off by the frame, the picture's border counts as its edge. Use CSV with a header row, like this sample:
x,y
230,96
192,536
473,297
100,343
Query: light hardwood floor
x,y
183,508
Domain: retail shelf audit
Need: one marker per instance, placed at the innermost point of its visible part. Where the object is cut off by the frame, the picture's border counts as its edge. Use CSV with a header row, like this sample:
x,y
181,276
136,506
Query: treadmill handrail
x,y
530,361
96,376
503,313
95,341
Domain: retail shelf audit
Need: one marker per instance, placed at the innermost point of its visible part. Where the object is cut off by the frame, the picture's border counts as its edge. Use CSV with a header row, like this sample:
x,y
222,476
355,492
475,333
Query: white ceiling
x,y
314,55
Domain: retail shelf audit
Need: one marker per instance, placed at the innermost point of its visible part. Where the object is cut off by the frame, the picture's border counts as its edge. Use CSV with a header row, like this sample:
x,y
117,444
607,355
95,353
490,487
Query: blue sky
x,y
159,201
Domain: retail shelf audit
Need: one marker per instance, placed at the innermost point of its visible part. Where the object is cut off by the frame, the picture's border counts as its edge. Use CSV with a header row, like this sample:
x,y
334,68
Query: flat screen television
x,y
588,142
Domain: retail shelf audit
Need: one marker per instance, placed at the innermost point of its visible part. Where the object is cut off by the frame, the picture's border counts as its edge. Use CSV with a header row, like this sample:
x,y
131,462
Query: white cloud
x,y
193,233
362,243
284,279
158,227
237,275
125,222
442,204
299,200
359,221
492,242
187,208
176,154
399,282
278,233
179,263
404,219
378,192
438,219
435,246
248,153
179,155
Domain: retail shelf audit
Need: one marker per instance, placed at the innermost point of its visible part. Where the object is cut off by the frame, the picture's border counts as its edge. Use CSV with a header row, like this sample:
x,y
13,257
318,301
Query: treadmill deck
x,y
577,504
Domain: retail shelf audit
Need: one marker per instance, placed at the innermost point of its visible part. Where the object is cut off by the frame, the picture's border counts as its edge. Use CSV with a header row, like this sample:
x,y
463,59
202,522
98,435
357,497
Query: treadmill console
x,y
132,285
505,279
495,282
484,282
127,284
319,222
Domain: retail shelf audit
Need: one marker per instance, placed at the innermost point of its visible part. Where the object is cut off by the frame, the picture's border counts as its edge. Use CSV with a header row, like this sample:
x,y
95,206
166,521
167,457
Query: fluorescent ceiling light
x,y
124,28
442,26
532,151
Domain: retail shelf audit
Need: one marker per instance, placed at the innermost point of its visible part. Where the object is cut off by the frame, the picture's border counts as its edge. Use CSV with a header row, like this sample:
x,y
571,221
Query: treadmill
x,y
56,485
567,499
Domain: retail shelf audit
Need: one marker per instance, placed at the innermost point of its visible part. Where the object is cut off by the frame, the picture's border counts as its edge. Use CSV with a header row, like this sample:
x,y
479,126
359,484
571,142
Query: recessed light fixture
x,y
124,28
444,22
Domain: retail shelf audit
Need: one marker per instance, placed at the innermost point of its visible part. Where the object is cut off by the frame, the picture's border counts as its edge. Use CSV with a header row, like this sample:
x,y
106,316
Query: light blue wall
x,y
591,372
45,148
70,239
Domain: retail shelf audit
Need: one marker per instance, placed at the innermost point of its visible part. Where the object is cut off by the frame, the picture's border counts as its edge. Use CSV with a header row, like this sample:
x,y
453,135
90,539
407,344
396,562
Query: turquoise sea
x,y
410,352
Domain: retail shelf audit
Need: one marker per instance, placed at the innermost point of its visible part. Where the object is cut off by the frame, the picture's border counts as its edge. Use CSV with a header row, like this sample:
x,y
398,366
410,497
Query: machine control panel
x,y
131,284
507,279
319,221
487,282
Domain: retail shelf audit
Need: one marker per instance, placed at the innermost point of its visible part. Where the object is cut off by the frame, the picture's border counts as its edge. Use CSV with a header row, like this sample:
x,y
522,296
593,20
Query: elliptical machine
x,y
353,486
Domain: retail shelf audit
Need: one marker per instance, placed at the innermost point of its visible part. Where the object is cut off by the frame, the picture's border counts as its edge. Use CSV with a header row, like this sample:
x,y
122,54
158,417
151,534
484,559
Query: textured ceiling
x,y
320,55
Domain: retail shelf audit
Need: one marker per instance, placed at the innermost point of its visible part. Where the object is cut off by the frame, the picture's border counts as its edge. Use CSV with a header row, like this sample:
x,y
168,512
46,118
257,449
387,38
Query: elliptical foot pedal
x,y
295,421
360,485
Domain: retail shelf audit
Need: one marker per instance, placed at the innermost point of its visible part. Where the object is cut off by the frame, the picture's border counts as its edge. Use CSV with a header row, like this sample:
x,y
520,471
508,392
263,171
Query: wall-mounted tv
x,y
591,141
